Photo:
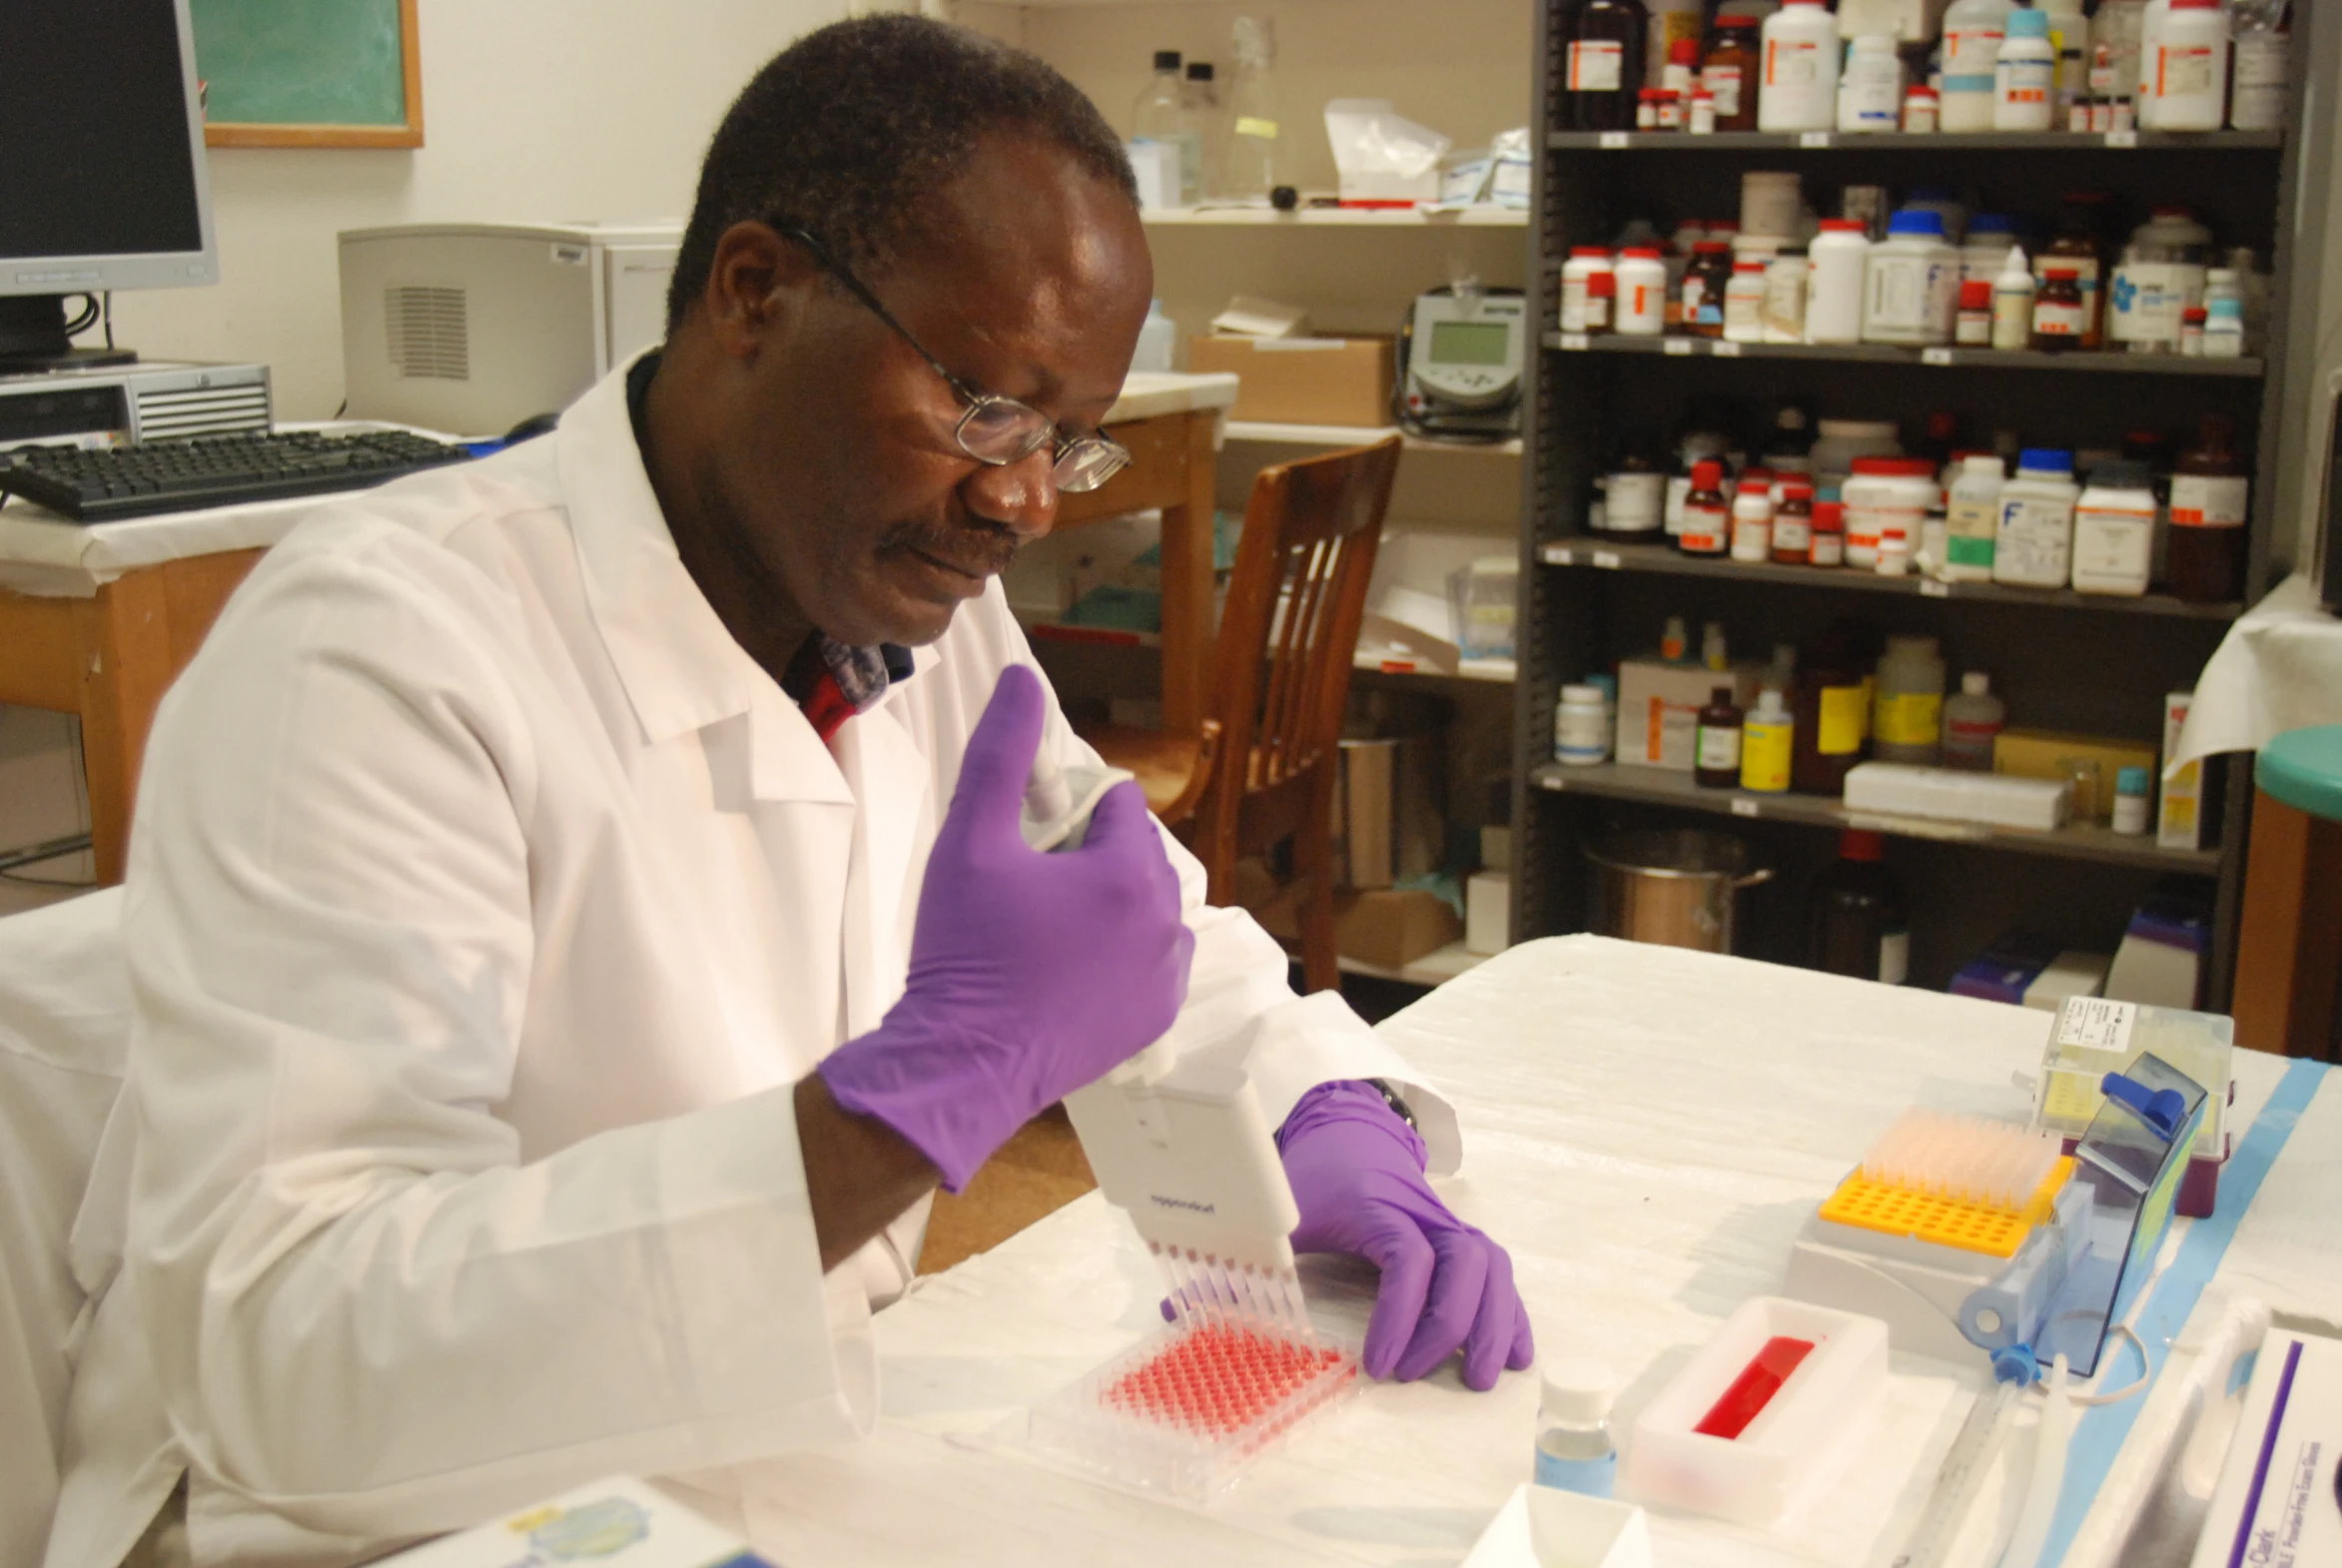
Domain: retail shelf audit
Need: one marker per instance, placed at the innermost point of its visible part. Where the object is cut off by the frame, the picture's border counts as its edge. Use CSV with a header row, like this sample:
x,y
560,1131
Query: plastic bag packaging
x,y
1382,156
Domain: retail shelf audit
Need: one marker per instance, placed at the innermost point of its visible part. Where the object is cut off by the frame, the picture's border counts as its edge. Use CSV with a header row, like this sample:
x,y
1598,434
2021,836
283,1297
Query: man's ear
x,y
757,281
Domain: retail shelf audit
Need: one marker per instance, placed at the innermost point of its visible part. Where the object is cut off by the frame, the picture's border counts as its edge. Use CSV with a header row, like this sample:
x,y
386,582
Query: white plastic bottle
x,y
1870,90
2025,81
2191,67
1744,301
1973,30
1834,282
2012,302
1798,85
1578,298
1972,720
1642,291
1911,287
2114,530
2150,37
1752,524
2033,546
1581,727
1907,716
1574,1448
2223,314
1972,519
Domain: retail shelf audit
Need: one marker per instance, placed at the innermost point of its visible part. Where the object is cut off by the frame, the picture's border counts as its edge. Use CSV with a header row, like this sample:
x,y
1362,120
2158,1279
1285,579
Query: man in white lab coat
x,y
575,913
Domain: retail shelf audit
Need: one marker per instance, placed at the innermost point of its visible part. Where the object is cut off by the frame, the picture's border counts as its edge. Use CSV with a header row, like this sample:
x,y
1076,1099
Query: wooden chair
x,y
1263,765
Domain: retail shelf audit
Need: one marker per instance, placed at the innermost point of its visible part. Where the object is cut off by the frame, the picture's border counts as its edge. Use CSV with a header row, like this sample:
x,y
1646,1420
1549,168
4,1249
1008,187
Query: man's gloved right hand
x,y
1030,974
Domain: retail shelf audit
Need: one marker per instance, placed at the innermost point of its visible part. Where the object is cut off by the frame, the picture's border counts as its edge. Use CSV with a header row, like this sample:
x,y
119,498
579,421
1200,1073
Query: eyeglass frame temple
x,y
1060,442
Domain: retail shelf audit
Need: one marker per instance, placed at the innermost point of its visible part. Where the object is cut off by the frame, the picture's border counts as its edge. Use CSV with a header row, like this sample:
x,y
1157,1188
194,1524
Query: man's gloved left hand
x,y
1356,1171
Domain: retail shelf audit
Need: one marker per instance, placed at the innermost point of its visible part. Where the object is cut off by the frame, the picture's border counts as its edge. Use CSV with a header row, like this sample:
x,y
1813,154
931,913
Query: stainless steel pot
x,y
1673,887
1390,813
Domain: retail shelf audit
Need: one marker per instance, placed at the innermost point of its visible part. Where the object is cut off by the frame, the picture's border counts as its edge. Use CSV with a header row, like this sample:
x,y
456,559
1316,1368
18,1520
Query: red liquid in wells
x,y
1218,1379
1754,1389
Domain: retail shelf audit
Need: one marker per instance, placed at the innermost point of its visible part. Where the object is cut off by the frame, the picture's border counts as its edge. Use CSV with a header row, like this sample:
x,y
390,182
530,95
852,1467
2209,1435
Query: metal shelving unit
x,y
2067,660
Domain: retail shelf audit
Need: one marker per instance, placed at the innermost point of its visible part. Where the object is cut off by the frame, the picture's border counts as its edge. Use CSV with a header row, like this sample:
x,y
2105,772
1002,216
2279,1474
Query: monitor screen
x,y
99,158
1470,342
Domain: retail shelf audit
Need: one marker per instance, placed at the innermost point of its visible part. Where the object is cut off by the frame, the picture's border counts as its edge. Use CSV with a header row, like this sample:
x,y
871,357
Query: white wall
x,y
532,109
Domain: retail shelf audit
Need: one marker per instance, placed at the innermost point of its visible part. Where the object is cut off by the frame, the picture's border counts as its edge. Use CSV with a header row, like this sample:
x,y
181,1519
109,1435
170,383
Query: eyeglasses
x,y
992,429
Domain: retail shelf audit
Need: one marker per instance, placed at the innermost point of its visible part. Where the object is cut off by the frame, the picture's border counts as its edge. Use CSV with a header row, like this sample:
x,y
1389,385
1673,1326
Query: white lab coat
x,y
484,901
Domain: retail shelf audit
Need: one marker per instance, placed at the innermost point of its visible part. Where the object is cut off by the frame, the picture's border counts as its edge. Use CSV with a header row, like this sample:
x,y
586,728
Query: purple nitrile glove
x,y
1030,974
1356,1171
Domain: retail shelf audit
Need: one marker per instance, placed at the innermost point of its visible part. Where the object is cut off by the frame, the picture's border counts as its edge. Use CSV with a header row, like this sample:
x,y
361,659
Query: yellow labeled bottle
x,y
1766,745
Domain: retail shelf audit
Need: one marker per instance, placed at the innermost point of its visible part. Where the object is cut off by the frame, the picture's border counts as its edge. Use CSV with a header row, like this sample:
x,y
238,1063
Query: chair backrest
x,y
64,1037
1281,662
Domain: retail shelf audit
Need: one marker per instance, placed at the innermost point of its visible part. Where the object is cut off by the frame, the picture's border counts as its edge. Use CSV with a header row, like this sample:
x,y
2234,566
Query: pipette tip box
x,y
1186,1411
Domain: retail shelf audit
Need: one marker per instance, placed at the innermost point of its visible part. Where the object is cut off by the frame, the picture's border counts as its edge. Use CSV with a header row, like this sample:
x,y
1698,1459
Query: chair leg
x,y
1314,873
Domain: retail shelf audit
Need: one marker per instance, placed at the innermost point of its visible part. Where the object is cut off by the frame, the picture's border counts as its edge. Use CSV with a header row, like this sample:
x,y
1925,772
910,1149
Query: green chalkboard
x,y
308,72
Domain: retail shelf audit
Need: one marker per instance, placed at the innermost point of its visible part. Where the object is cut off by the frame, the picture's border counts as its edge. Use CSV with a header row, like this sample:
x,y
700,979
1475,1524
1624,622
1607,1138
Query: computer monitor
x,y
103,182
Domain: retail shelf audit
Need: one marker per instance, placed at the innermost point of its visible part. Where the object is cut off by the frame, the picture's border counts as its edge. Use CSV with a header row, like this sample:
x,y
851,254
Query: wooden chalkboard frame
x,y
407,134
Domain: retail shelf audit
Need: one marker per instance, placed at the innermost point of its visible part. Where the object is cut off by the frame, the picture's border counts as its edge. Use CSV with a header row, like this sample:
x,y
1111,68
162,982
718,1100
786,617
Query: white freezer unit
x,y
472,327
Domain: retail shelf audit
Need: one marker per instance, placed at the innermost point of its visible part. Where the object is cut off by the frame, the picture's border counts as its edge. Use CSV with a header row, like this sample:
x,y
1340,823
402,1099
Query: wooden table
x,y
104,640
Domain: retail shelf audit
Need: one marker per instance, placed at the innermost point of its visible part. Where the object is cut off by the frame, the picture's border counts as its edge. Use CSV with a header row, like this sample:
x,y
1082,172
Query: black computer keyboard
x,y
214,471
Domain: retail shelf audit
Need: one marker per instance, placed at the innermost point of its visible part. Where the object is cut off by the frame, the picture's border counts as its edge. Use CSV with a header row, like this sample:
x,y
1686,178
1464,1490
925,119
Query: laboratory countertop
x,y
1646,1130
46,554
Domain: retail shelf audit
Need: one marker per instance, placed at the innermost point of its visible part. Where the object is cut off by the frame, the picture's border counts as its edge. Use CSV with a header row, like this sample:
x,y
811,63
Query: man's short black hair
x,y
851,129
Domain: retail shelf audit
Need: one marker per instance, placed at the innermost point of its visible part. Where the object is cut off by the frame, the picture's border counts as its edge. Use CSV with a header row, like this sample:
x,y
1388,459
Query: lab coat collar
x,y
682,669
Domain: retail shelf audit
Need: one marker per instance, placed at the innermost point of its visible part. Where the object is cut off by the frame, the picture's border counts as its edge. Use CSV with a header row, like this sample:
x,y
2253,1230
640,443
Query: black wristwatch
x,y
1390,1098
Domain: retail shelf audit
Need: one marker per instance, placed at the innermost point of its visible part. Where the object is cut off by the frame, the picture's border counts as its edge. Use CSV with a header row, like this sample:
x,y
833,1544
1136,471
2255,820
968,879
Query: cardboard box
x,y
1302,380
2275,1503
1384,925
2068,975
1659,707
2179,823
2049,754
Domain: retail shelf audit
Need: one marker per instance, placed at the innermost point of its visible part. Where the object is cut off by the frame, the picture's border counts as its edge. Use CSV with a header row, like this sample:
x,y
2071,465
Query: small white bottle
x,y
2191,67
2033,546
2114,530
1785,296
1581,727
1972,721
2223,314
2131,796
1574,1448
1640,307
1752,523
2012,302
1973,31
1836,260
1744,301
1797,86
2148,62
1578,298
2025,79
1870,90
1972,519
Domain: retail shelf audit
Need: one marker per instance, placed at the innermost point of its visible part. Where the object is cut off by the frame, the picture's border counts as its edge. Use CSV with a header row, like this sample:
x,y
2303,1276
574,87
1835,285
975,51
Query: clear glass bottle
x,y
1574,1447
1160,117
1256,159
1201,122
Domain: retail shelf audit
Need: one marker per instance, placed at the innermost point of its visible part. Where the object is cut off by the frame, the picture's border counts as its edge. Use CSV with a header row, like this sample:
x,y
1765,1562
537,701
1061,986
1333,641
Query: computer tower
x,y
152,401
468,329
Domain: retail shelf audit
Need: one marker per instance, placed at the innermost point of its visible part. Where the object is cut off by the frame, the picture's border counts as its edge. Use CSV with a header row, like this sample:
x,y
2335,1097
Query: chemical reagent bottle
x,y
1574,1447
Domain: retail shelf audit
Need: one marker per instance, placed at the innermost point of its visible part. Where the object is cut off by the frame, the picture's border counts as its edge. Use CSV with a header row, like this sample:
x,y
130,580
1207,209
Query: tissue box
x,y
617,1524
1955,795
1304,380
2161,959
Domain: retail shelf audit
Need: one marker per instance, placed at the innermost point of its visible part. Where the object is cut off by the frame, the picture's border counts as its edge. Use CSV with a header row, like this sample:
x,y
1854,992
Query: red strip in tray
x,y
1754,1389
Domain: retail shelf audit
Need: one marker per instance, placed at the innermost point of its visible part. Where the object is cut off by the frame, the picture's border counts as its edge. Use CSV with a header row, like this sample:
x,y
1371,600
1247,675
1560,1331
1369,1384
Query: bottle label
x,y
1791,535
1596,66
1704,529
1966,549
1722,81
1970,55
2034,545
2208,501
1840,730
2257,89
2059,319
1744,315
1910,718
1254,126
1765,757
1828,549
2183,72
2112,544
1592,1478
1573,305
1635,500
1597,313
1719,750
1893,958
1788,62
1971,736
2026,82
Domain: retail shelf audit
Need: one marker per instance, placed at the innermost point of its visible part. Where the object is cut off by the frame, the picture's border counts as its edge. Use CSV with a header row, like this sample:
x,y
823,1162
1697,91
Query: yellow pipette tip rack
x,y
1894,1209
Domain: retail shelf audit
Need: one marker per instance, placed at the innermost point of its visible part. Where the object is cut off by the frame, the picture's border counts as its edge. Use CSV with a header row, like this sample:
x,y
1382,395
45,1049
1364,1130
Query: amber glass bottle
x,y
1605,63
2209,509
1729,72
